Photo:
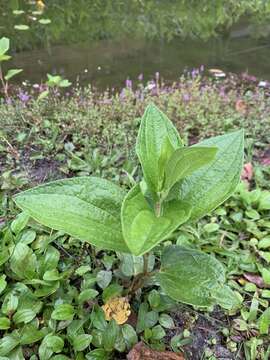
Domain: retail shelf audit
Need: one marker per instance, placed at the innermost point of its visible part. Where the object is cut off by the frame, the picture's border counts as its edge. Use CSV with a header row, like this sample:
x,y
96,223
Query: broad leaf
x,y
211,185
156,139
184,161
4,45
192,277
142,229
85,207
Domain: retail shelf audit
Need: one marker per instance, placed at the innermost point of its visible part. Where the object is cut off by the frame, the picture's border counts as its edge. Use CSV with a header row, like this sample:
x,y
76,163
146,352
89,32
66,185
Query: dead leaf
x,y
142,352
247,172
117,308
217,73
241,106
255,279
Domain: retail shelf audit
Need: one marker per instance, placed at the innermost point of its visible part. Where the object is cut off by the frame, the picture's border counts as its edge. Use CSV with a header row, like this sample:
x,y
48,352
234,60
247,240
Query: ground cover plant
x,y
91,134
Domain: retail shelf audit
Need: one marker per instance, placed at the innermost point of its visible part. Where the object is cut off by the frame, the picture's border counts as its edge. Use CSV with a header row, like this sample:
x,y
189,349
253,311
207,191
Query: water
x,y
109,63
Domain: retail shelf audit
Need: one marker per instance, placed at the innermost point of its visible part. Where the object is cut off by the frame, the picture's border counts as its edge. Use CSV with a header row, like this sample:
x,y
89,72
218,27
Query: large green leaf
x,y
85,207
184,161
194,278
142,229
156,139
211,185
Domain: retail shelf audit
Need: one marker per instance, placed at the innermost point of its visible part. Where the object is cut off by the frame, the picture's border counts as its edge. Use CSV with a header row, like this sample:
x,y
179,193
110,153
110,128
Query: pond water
x,y
109,63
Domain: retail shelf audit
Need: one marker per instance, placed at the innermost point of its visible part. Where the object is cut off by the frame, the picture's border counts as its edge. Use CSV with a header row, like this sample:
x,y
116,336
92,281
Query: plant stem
x,y
145,264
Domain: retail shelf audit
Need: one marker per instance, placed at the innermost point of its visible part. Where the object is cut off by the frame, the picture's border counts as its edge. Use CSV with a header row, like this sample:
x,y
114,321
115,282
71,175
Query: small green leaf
x,y
104,278
185,161
86,295
4,45
21,27
264,201
142,229
156,130
166,321
63,312
11,73
23,262
264,322
129,335
97,354
3,283
24,315
30,334
8,343
192,277
81,342
146,319
44,21
157,332
19,223
4,323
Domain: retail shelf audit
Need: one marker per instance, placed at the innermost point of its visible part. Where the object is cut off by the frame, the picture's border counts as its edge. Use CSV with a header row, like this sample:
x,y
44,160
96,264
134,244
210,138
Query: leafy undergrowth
x,y
63,300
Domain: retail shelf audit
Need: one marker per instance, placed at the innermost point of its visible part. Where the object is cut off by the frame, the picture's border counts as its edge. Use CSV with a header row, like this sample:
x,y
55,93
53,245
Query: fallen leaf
x,y
247,172
241,106
142,352
255,279
117,308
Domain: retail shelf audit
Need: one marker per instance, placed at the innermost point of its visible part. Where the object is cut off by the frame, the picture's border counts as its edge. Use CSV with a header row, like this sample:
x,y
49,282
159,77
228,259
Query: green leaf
x,y
4,45
21,27
166,321
157,333
113,290
87,208
44,21
23,262
157,137
264,201
110,335
63,312
4,57
264,322
30,334
12,72
146,319
86,295
98,354
8,343
104,278
185,161
129,335
19,223
10,303
142,229
3,283
4,323
81,342
190,276
210,186
24,315
56,343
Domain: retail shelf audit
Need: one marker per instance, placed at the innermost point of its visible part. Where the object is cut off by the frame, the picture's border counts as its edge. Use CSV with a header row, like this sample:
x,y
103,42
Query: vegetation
x,y
61,299
37,23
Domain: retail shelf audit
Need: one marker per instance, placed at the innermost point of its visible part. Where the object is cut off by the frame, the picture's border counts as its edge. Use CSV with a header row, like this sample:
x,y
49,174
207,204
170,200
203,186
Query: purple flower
x,y
129,84
186,97
202,68
23,96
140,77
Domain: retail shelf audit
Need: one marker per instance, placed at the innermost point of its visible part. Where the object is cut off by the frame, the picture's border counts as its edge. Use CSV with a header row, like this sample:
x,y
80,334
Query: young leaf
x,y
157,136
190,276
185,161
211,185
11,73
142,229
87,208
63,312
4,45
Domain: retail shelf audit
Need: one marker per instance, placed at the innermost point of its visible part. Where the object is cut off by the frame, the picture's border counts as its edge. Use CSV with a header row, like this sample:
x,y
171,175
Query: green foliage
x,y
4,47
89,208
